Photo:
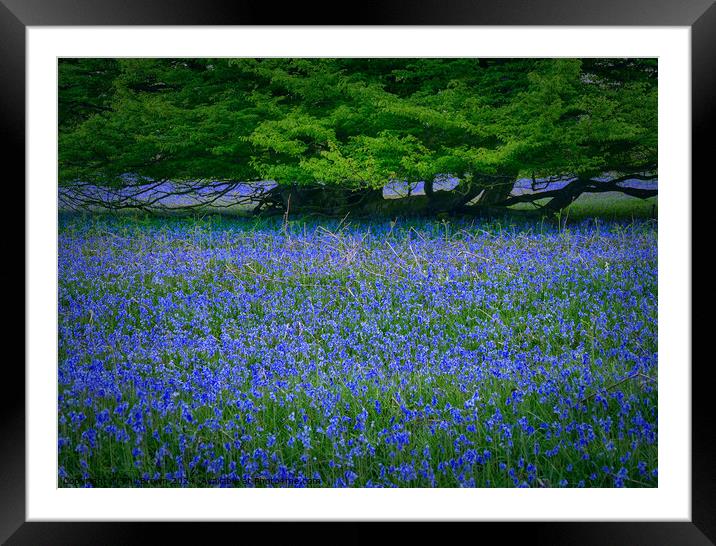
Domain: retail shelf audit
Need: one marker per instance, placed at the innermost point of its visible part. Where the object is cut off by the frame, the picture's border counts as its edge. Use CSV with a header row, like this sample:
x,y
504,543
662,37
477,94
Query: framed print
x,y
369,338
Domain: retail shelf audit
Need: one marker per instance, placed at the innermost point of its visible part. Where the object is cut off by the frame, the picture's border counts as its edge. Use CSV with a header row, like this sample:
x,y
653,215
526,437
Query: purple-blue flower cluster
x,y
417,354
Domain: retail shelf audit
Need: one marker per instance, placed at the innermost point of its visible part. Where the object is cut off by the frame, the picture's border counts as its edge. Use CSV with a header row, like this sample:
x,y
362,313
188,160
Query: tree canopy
x,y
331,133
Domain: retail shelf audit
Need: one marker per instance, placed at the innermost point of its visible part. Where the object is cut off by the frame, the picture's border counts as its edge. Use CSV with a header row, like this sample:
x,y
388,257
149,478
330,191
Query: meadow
x,y
225,351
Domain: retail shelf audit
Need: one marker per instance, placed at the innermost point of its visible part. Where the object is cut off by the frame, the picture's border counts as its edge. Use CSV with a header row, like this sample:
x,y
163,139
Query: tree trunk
x,y
428,188
332,201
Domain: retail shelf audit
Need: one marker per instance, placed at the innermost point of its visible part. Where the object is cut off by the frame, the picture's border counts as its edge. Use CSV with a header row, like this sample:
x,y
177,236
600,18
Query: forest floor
x,y
219,350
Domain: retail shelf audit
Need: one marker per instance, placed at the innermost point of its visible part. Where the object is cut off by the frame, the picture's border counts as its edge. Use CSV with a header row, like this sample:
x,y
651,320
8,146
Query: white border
x,y
670,501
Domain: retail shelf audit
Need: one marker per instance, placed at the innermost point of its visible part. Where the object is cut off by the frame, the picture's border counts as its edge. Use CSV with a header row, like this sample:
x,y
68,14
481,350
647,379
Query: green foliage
x,y
354,122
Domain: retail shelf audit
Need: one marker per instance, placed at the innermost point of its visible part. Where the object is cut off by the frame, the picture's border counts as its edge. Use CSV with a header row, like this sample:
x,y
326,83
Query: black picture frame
x,y
16,15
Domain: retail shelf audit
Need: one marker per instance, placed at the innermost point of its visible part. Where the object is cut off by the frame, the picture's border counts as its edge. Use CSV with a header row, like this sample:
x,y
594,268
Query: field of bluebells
x,y
426,353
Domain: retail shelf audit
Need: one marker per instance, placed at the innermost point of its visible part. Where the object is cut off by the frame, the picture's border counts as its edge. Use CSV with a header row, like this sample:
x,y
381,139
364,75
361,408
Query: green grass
x,y
607,206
